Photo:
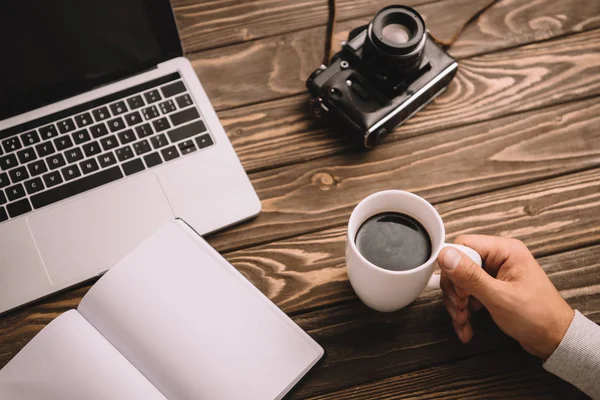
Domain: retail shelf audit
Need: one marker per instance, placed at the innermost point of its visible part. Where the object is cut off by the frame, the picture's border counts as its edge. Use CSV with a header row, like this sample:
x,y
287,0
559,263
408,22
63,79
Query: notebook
x,y
171,321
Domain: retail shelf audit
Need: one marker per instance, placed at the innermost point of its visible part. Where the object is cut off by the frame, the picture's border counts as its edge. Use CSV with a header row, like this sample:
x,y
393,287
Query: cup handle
x,y
434,281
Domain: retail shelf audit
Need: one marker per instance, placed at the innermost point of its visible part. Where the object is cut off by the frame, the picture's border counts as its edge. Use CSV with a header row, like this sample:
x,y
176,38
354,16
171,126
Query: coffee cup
x,y
390,290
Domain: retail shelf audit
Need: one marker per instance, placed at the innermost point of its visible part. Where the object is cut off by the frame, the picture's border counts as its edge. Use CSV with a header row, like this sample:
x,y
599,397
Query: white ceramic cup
x,y
382,289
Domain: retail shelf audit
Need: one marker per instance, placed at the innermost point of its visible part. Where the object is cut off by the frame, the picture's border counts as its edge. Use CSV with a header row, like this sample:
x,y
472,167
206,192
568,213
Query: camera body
x,y
385,73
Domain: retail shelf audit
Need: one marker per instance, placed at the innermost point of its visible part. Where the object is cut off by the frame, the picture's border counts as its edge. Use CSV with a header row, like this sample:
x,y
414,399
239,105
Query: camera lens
x,y
396,38
396,33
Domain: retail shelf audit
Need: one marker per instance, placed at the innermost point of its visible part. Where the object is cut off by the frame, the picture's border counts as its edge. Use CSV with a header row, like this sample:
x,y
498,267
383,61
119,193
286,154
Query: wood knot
x,y
531,210
324,180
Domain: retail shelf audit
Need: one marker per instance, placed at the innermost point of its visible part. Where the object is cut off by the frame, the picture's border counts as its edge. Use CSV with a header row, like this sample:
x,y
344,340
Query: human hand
x,y
511,285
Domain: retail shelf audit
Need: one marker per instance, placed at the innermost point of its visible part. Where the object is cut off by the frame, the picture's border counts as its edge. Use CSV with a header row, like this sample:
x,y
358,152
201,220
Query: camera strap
x,y
446,44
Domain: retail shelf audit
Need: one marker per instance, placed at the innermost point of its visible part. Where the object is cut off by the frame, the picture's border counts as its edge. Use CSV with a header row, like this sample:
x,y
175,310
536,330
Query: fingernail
x,y
459,330
453,300
451,259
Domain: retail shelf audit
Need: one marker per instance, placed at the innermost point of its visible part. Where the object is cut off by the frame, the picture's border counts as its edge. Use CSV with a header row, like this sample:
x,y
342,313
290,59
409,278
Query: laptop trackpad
x,y
86,236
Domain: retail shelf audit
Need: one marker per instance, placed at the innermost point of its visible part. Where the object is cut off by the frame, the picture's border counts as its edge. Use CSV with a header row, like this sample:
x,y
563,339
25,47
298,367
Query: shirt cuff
x,y
577,357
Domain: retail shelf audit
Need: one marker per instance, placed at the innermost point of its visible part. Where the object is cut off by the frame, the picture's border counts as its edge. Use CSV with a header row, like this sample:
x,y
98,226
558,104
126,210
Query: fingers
x,y
458,299
494,250
458,309
467,276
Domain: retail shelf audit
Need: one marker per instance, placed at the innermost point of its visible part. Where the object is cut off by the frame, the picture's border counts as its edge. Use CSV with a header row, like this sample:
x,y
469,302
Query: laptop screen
x,y
54,49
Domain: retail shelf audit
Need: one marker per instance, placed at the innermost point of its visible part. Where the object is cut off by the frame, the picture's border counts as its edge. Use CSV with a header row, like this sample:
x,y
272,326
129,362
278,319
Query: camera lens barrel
x,y
396,38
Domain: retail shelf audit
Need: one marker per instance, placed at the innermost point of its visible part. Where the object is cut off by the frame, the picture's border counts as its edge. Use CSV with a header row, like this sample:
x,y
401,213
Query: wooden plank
x,y
365,346
455,163
281,132
216,23
507,374
549,216
308,272
278,66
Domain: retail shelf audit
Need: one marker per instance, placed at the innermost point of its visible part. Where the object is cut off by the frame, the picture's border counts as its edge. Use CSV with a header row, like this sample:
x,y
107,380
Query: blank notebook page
x,y
194,326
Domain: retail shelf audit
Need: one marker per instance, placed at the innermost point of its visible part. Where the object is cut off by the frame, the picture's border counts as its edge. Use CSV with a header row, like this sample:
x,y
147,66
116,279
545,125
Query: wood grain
x,y
278,66
281,132
455,163
365,346
218,23
507,374
309,271
549,216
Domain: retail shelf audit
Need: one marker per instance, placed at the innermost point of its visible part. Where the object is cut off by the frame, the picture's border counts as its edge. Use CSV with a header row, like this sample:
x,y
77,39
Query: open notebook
x,y
173,320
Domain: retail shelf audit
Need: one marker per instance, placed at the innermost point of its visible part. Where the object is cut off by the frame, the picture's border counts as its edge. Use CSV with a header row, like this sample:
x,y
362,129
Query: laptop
x,y
106,134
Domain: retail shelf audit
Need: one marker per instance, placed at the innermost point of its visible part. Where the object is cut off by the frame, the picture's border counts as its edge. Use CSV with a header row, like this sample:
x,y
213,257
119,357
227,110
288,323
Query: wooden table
x,y
511,149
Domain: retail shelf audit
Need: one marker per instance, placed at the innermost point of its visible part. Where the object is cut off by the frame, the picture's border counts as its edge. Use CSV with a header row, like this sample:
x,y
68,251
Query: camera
x,y
386,72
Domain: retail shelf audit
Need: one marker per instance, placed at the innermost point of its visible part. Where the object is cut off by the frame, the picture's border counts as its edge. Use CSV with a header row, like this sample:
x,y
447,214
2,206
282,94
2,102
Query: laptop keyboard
x,y
92,144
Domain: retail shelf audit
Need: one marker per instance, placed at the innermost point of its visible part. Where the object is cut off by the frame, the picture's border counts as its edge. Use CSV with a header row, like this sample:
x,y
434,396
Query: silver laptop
x,y
105,135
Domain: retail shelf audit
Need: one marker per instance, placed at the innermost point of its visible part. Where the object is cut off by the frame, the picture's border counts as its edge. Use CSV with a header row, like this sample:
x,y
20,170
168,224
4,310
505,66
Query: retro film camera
x,y
386,72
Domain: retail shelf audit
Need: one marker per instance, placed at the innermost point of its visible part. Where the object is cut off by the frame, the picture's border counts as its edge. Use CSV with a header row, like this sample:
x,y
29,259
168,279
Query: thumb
x,y
467,275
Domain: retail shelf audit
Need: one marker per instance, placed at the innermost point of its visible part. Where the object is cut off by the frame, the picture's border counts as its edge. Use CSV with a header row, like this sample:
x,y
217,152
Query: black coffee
x,y
394,241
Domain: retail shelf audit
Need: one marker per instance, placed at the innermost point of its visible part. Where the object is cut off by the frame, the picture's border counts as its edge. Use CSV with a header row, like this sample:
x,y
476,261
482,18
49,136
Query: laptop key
x,y
29,138
173,89
3,214
141,147
124,153
167,106
44,149
15,192
4,182
83,120
89,166
66,125
81,136
36,168
98,130
133,166
133,118
159,141
91,149
3,199
150,112
135,102
101,114
144,130
152,96
184,100
52,179
116,124
74,155
186,147
18,174
8,161
34,185
184,116
18,208
11,144
152,160
76,187
26,155
56,161
109,142
169,153
186,131
63,142
126,136
107,160
118,108
161,124
204,141
48,132
71,172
